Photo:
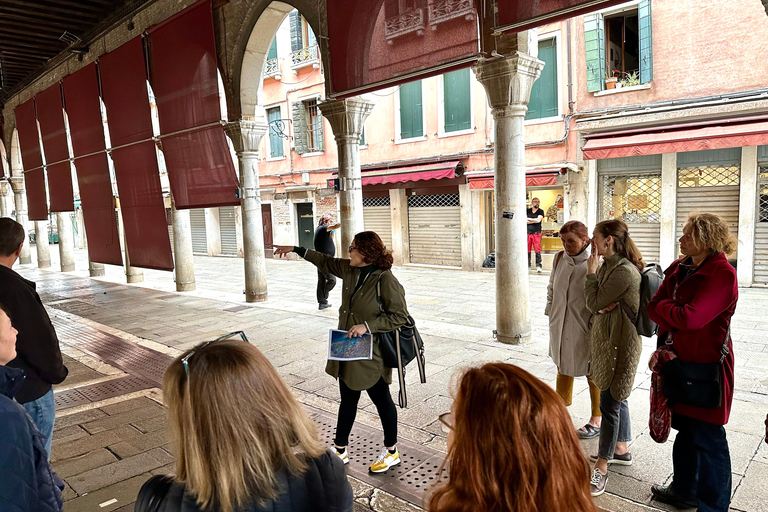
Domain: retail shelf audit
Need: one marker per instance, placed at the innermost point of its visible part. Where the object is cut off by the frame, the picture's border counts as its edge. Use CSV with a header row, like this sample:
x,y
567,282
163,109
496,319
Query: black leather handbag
x,y
400,347
695,384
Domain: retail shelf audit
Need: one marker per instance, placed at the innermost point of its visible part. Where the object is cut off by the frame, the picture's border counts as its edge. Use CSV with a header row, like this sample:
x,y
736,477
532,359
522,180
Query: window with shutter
x,y
411,116
646,44
456,101
362,137
315,142
275,133
543,101
297,37
594,47
300,133
272,53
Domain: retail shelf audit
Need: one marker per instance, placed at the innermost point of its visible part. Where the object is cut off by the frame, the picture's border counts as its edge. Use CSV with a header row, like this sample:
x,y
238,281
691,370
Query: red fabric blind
x,y
81,94
184,74
373,43
50,115
518,15
185,82
141,202
208,178
124,91
31,158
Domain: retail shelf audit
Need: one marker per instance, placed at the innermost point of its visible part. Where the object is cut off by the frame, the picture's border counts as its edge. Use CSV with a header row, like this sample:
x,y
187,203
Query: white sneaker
x,y
538,270
597,483
343,456
385,461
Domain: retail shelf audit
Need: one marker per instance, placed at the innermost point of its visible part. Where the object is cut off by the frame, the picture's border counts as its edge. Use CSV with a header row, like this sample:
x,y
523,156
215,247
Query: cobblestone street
x,y
105,447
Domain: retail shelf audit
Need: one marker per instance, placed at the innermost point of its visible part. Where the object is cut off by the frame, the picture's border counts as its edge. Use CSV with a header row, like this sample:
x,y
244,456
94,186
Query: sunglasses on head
x,y
186,358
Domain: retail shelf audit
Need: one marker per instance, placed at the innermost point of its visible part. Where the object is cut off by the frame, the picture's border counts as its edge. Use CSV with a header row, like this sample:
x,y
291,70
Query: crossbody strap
x,y
725,350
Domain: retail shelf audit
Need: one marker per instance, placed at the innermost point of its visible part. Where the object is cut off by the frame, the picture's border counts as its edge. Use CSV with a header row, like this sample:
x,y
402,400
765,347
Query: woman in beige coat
x,y
569,320
612,294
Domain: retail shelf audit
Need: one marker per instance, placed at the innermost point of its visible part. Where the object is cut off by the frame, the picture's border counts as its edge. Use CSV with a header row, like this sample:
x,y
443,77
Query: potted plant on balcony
x,y
610,80
630,79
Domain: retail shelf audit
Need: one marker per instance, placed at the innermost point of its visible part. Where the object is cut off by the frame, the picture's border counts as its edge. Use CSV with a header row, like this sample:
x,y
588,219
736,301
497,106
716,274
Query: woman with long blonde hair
x,y
511,447
242,441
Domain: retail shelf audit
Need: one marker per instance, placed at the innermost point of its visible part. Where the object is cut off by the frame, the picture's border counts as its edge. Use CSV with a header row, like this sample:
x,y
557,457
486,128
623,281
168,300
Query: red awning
x,y
32,160
81,93
726,133
517,15
533,178
50,115
436,171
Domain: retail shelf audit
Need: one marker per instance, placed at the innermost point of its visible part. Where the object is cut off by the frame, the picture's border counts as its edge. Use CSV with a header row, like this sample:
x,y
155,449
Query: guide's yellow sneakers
x,y
385,461
344,456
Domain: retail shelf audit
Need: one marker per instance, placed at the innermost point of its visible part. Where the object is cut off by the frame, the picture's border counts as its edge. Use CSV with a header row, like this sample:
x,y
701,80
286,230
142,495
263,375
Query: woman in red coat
x,y
694,306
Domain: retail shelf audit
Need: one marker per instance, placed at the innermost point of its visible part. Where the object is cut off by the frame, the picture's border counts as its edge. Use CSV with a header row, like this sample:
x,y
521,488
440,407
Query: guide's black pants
x,y
380,397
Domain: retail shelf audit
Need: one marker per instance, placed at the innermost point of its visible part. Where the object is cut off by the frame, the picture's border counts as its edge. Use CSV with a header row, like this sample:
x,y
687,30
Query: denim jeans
x,y
702,463
615,426
43,413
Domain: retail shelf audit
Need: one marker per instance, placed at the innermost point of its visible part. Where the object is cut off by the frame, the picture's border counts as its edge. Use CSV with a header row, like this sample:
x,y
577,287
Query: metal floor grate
x,y
410,480
131,358
100,391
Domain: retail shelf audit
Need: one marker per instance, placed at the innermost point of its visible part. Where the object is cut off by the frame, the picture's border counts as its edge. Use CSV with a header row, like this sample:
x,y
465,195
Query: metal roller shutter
x,y
377,217
722,201
761,230
646,236
199,236
434,229
228,229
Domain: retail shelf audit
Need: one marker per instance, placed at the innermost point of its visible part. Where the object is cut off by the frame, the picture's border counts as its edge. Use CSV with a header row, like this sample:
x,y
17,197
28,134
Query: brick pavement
x,y
455,312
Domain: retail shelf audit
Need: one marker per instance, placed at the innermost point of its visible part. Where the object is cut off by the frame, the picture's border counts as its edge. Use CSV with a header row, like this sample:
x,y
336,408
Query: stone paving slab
x,y
457,331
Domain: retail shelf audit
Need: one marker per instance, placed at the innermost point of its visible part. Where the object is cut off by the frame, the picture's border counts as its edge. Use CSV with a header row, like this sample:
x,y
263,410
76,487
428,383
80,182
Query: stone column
x,y
398,207
347,118
132,274
41,244
747,216
66,241
3,201
507,82
246,136
17,184
668,214
184,265
94,269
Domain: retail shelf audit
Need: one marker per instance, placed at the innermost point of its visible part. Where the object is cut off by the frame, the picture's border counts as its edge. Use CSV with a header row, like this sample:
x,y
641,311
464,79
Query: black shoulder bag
x,y
695,384
400,347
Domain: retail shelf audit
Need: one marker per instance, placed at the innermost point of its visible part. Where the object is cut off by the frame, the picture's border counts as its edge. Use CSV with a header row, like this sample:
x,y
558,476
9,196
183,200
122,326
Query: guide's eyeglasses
x,y
186,358
352,248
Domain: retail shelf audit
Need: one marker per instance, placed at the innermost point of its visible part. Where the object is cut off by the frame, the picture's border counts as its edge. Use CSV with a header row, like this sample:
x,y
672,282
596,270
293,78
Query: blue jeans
x,y
43,413
615,426
702,463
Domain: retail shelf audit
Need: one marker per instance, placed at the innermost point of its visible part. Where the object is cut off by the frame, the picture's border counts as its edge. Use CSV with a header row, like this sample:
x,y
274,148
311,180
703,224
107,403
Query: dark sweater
x,y
37,346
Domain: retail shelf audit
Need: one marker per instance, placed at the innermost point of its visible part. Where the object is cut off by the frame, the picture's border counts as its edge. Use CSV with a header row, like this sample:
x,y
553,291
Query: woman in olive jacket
x,y
368,264
612,294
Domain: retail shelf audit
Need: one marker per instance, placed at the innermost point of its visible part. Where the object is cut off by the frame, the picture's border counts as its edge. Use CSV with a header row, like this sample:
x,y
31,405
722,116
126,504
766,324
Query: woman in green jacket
x,y
612,294
368,264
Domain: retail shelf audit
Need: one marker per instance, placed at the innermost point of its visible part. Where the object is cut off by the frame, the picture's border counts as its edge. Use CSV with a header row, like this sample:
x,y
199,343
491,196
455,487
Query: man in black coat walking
x,y
37,346
324,243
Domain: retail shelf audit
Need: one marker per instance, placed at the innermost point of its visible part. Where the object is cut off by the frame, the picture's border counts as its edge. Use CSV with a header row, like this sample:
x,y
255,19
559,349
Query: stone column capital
x,y
246,134
346,117
3,188
17,184
507,81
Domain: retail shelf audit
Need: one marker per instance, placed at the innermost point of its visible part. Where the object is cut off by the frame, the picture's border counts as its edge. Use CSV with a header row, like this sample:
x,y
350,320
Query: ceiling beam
x,y
50,12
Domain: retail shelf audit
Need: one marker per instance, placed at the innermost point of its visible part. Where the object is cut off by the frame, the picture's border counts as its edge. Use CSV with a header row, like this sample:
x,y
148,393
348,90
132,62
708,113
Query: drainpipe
x,y
570,65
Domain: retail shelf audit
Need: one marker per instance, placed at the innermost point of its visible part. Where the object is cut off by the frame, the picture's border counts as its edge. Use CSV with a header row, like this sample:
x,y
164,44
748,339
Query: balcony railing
x,y
309,56
406,23
440,12
272,68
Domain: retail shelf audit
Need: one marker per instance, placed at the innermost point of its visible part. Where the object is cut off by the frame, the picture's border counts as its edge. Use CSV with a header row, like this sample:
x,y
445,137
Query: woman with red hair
x,y
511,447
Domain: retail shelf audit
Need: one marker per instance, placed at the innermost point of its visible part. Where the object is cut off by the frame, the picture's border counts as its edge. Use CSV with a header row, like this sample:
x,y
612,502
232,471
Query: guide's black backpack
x,y
400,347
650,281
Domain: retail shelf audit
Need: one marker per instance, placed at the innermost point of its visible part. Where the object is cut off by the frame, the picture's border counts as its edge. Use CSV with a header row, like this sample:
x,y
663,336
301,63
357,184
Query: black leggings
x,y
380,397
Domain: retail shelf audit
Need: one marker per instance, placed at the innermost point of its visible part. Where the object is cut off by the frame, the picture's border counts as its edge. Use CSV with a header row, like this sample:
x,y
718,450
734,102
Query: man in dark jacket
x,y
27,483
324,243
38,347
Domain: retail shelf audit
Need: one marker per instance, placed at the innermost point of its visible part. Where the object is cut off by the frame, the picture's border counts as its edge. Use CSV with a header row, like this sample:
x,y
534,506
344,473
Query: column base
x,y
185,287
67,268
512,339
25,260
44,264
96,272
135,278
255,297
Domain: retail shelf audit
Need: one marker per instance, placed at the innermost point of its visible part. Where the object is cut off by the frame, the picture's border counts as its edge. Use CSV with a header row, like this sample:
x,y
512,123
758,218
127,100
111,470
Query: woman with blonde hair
x,y
612,294
242,441
511,447
693,308
569,320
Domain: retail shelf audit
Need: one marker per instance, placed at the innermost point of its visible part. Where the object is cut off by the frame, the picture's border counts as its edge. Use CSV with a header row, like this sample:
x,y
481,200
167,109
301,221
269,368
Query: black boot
x,y
669,495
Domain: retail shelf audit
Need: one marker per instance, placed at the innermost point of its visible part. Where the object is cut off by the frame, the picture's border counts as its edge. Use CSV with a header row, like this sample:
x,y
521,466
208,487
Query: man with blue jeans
x,y
37,346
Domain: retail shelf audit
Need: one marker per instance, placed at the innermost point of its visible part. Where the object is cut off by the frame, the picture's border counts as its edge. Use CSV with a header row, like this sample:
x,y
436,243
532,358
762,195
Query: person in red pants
x,y
535,216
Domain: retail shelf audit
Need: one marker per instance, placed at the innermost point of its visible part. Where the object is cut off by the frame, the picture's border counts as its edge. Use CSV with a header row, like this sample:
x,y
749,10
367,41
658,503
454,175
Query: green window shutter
x,y
297,41
646,44
456,101
300,134
410,110
362,137
543,101
275,138
312,38
272,53
594,45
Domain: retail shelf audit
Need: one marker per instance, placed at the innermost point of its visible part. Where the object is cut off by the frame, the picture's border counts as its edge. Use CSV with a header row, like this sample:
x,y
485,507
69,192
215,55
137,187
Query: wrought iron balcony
x,y
272,68
309,56
406,23
440,12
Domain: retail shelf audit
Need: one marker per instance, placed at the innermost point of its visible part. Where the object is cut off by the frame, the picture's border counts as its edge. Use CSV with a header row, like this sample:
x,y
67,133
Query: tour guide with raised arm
x,y
369,263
